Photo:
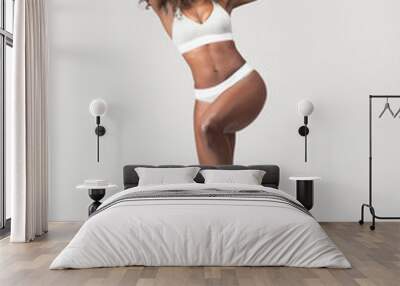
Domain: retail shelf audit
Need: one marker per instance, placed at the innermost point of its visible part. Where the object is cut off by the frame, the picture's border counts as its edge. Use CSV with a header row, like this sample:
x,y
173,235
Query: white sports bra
x,y
188,34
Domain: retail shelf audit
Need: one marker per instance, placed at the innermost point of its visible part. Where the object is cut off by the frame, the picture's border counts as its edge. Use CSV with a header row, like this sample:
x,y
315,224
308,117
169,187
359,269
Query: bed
x,y
198,224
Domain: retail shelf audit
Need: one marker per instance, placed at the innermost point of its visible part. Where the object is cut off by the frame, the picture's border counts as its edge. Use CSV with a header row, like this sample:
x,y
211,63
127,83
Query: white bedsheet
x,y
193,231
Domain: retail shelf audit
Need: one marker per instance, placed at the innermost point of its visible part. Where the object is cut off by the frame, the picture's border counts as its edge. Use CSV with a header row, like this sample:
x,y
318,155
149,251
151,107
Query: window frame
x,y
6,39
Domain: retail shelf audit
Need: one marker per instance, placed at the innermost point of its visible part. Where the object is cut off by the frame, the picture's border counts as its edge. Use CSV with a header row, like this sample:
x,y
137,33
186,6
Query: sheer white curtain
x,y
27,123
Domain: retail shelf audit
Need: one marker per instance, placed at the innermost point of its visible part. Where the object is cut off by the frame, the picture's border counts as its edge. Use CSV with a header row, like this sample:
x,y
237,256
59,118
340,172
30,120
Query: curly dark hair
x,y
175,4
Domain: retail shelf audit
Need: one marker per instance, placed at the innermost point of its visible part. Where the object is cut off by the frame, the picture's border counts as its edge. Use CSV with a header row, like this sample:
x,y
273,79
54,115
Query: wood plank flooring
x,y
375,257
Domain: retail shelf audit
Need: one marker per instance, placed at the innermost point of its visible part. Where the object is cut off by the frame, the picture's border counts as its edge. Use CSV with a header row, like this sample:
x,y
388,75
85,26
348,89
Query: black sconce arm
x,y
304,131
100,131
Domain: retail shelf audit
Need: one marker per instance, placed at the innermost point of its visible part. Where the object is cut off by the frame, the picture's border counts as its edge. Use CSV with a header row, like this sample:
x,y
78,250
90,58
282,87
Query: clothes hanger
x,y
397,113
387,107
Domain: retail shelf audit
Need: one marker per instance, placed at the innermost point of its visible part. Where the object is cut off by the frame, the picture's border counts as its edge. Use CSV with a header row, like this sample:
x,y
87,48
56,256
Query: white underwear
x,y
211,93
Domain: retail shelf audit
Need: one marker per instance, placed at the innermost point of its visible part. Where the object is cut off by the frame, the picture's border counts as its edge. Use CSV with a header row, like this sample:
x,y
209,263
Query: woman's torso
x,y
213,62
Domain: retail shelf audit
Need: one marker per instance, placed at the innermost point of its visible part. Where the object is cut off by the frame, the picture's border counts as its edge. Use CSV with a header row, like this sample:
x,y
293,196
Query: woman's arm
x,y
166,15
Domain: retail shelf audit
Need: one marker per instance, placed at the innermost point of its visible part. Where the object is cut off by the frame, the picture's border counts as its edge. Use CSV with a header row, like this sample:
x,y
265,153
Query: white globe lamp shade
x,y
305,107
98,107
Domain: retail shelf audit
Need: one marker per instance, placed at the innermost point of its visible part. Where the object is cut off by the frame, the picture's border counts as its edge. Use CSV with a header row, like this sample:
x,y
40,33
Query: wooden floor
x,y
375,257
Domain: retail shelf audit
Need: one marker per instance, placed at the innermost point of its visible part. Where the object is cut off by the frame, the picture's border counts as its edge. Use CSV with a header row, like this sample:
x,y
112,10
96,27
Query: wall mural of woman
x,y
229,93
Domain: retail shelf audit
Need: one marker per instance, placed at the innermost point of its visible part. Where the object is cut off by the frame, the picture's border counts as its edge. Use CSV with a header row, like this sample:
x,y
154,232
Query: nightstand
x,y
305,190
96,193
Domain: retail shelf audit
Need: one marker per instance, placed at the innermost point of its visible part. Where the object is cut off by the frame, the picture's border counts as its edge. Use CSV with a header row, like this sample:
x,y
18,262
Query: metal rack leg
x,y
361,221
372,210
374,216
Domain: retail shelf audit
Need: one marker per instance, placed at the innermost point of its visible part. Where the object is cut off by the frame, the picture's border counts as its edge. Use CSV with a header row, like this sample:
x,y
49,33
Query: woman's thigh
x,y
203,149
238,106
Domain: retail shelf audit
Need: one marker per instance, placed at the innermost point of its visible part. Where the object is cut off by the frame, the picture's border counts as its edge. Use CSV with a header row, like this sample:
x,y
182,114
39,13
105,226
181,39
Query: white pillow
x,y
163,176
248,177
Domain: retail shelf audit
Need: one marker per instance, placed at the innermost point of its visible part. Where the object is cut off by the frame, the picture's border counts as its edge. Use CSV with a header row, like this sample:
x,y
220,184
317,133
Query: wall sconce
x,y
305,108
98,107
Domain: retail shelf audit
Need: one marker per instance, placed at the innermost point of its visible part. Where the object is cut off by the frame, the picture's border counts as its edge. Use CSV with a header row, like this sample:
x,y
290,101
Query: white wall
x,y
333,52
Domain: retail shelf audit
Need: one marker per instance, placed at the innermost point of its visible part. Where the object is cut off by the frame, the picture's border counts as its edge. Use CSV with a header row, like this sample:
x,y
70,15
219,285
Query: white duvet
x,y
193,231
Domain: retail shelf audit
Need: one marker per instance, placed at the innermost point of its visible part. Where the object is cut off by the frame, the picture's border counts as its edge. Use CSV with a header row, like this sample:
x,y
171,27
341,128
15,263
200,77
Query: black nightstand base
x,y
305,193
96,195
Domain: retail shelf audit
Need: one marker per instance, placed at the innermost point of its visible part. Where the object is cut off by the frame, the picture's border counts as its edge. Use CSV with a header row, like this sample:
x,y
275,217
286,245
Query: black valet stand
x,y
370,205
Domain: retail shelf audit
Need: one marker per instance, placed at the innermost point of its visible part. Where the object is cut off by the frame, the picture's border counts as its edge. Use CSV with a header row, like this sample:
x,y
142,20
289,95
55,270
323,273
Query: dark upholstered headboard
x,y
271,177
